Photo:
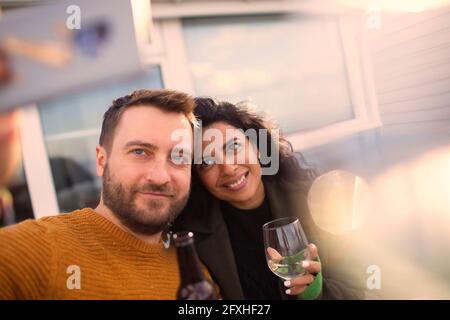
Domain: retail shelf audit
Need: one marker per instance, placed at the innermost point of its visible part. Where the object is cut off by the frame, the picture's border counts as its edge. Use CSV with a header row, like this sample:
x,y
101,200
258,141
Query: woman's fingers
x,y
311,266
313,253
302,280
296,290
298,284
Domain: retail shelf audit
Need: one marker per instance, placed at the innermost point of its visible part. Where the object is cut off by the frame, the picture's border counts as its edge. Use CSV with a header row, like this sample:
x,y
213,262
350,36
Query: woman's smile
x,y
237,183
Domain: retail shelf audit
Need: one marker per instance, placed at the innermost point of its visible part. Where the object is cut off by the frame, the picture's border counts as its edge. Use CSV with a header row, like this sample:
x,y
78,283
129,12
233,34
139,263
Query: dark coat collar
x,y
285,199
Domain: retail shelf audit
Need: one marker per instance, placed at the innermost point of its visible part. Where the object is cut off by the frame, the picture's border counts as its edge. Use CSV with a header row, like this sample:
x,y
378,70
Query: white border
x,y
361,89
179,76
36,164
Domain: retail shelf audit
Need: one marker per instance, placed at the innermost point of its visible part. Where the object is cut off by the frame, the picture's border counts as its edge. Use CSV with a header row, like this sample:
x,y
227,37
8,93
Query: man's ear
x,y
101,159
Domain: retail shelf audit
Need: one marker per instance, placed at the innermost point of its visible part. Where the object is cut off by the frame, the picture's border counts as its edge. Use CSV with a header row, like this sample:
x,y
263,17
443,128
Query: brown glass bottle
x,y
194,285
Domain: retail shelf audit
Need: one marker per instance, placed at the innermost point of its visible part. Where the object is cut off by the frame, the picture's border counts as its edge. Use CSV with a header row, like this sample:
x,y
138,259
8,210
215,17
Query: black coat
x,y
341,280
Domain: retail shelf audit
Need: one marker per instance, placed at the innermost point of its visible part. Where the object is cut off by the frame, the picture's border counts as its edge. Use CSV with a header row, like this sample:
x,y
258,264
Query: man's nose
x,y
158,172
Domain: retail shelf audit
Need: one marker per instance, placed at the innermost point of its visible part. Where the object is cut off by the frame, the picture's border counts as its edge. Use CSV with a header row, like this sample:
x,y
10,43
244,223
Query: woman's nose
x,y
228,168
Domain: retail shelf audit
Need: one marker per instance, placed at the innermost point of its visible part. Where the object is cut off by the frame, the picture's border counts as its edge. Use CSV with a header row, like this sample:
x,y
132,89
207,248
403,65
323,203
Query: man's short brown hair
x,y
163,99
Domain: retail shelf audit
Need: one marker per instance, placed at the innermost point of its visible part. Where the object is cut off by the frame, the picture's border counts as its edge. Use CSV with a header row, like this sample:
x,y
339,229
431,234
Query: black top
x,y
246,236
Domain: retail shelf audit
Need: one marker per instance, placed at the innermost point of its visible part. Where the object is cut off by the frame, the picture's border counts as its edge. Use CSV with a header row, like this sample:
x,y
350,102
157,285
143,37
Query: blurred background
x,y
362,87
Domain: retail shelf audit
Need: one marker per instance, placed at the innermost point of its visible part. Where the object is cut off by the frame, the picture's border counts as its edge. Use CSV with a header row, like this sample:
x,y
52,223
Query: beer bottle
x,y
194,285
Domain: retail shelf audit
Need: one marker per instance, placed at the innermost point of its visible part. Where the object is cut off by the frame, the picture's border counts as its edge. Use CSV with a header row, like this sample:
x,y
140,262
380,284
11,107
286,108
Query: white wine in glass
x,y
286,247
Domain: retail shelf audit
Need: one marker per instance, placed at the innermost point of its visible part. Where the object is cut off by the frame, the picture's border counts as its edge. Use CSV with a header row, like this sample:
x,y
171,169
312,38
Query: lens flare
x,y
399,223
339,201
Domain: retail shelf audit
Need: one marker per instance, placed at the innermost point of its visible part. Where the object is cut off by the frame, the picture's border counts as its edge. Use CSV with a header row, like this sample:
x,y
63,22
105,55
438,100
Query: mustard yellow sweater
x,y
81,255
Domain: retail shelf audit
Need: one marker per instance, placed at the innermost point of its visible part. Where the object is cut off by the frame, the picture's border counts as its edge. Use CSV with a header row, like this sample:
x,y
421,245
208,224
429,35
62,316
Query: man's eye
x,y
138,152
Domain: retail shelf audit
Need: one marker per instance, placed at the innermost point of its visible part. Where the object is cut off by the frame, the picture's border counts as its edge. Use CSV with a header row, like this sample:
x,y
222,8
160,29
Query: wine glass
x,y
286,245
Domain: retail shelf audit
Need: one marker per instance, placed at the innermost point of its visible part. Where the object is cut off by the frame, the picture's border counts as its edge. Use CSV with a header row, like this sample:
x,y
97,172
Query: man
x,y
114,251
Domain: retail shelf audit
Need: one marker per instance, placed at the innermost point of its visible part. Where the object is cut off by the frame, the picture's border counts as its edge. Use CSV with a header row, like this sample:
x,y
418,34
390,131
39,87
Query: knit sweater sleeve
x,y
25,261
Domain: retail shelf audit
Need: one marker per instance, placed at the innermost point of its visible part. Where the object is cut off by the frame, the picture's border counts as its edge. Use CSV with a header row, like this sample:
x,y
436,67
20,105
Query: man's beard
x,y
148,221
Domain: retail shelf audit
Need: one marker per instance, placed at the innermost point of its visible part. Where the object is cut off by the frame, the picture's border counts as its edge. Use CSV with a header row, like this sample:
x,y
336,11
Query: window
x,y
310,72
292,67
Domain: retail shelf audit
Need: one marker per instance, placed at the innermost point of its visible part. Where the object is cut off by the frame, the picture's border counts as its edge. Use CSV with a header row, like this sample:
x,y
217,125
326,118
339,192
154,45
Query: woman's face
x,y
230,170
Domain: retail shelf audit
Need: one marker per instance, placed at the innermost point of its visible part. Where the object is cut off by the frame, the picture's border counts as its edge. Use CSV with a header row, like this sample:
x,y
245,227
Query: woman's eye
x,y
207,162
180,157
180,160
235,146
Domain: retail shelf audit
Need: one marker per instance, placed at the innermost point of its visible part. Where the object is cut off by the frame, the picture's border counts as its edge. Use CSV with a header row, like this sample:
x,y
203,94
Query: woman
x,y
231,200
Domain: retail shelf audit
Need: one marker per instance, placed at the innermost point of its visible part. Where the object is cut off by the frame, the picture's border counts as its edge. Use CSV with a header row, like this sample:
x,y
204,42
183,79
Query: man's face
x,y
146,174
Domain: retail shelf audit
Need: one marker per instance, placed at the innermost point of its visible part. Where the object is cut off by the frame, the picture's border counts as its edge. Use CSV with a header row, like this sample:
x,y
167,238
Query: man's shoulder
x,y
65,219
44,226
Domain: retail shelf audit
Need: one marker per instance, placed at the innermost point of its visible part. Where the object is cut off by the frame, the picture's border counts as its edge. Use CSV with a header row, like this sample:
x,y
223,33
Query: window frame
x,y
36,163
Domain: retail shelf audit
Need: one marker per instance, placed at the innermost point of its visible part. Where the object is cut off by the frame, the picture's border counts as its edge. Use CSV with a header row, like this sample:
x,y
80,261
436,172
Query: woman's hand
x,y
298,284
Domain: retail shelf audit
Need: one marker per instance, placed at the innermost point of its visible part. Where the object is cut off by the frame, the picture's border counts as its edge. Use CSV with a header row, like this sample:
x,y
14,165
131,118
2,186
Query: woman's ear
x,y
101,160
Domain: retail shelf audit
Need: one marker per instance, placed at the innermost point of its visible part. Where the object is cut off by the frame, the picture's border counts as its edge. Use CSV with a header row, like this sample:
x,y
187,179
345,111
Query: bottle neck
x,y
189,264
